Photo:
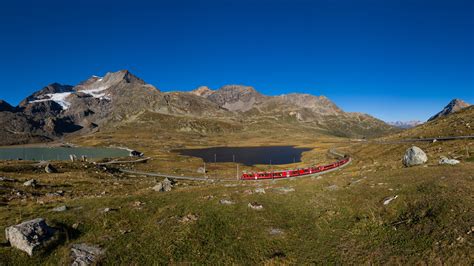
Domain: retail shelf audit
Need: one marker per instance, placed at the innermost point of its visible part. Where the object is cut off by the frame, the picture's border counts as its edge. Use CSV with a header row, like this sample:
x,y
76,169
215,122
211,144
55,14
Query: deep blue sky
x,y
396,60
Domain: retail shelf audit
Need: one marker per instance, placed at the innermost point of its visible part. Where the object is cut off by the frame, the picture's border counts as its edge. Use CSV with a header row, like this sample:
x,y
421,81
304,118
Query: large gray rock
x,y
414,156
30,236
83,254
164,186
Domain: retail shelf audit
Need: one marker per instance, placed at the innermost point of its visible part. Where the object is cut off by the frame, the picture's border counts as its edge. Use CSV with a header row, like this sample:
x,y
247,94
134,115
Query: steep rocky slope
x,y
452,107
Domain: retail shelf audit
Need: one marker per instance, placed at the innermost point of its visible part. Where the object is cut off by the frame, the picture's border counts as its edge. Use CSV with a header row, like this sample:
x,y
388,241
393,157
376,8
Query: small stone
x,y
260,190
31,236
201,170
30,183
275,231
285,189
255,206
138,203
50,169
445,160
6,179
389,199
60,209
189,218
83,254
332,187
226,202
106,210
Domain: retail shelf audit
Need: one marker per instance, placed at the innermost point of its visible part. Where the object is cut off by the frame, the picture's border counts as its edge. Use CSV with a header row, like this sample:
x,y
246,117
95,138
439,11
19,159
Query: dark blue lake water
x,y
248,155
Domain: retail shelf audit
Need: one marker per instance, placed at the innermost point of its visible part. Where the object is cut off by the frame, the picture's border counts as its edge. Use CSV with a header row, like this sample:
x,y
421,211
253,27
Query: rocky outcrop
x,y
414,156
236,97
84,254
202,91
164,186
31,236
452,107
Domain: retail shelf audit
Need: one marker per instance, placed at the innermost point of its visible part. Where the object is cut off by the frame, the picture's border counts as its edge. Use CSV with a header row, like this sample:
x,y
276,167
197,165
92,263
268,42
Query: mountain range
x,y
405,124
57,111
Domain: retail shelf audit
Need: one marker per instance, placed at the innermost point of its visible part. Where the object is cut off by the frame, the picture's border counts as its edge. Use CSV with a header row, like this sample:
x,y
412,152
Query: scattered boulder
x,y
201,170
134,153
285,189
106,210
58,193
255,206
445,160
260,190
189,218
31,236
387,201
332,187
164,186
6,179
60,209
275,231
414,156
226,202
72,157
30,183
50,169
83,254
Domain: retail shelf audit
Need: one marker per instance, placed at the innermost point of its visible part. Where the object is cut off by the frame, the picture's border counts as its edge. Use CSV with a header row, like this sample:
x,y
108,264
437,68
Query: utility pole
x,y
237,173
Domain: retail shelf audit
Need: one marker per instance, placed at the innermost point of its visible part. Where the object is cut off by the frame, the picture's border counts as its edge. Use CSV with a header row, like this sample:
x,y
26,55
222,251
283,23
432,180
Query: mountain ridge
x,y
100,102
453,106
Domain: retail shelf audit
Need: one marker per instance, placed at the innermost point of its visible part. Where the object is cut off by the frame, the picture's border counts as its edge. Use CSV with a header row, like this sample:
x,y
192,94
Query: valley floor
x,y
339,217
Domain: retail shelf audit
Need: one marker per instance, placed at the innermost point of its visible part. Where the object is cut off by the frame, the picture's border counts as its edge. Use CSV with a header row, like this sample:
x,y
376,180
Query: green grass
x,y
427,223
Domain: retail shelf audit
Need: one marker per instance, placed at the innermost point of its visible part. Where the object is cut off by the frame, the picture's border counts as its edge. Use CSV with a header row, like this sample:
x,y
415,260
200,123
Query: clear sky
x,y
394,59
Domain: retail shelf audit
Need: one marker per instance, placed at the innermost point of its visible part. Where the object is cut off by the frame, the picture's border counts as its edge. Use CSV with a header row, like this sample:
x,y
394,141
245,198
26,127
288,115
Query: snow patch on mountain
x,y
99,92
59,98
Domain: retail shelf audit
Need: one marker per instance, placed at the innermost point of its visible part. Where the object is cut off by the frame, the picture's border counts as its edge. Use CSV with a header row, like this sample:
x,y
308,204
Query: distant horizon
x,y
395,60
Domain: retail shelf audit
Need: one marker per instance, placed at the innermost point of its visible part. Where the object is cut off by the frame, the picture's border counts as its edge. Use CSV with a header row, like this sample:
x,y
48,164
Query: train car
x,y
295,172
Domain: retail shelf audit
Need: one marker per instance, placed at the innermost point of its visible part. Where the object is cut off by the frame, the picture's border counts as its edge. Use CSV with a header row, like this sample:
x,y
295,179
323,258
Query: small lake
x,y
248,155
59,153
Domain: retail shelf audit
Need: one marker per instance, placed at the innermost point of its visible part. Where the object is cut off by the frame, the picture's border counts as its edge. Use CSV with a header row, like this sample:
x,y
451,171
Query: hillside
x,y
460,123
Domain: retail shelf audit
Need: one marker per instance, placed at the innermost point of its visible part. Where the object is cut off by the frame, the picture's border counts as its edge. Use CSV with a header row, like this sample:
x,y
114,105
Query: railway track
x,y
203,179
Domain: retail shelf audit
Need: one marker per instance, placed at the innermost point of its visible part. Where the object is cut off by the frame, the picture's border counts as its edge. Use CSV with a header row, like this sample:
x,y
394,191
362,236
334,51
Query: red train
x,y
296,172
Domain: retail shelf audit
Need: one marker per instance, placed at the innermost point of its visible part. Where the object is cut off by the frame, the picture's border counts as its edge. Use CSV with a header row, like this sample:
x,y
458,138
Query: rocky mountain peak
x,y
452,107
202,91
319,104
46,93
4,106
236,97
122,76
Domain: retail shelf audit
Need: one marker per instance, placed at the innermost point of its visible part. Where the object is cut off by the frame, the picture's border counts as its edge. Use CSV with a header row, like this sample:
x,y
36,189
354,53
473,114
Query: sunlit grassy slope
x,y
336,218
